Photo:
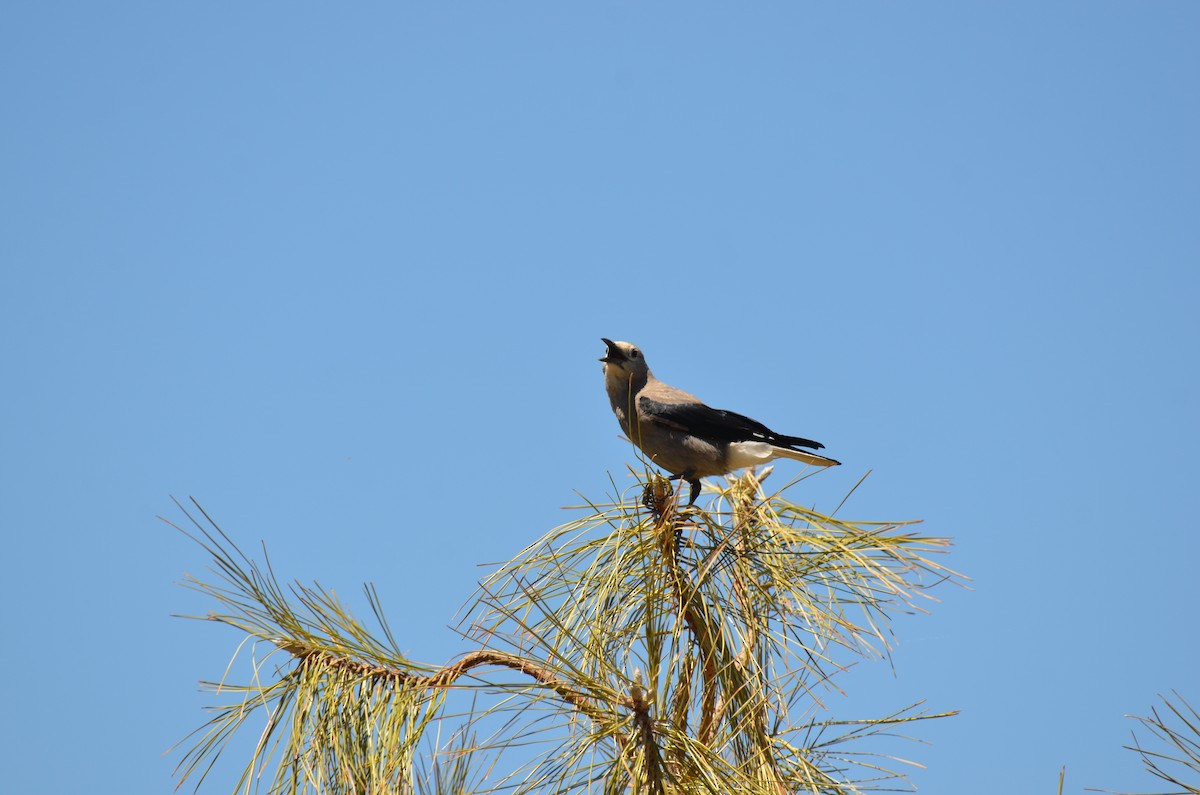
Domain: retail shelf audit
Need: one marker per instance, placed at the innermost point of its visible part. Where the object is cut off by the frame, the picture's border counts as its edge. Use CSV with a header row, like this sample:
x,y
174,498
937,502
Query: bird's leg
x,y
674,477
693,482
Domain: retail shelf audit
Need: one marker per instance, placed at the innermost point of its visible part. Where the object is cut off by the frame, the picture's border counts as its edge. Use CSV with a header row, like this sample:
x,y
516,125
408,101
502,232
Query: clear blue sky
x,y
341,275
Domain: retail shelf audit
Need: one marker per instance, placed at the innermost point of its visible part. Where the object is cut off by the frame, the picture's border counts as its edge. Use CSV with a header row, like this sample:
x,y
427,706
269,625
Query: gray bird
x,y
682,435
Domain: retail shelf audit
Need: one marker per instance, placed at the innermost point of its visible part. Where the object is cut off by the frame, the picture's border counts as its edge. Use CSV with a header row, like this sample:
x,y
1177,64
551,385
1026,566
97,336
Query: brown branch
x,y
446,677
709,641
651,759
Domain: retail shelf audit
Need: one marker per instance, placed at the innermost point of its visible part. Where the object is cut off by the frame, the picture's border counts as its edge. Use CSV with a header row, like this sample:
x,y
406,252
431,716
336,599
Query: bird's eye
x,y
633,354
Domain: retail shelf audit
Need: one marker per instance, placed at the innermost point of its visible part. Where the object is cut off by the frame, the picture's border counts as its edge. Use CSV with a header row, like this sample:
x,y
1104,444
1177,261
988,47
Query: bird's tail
x,y
748,454
795,441
808,458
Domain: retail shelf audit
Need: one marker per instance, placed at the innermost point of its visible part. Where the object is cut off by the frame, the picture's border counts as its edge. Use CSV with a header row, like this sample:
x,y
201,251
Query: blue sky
x,y
341,275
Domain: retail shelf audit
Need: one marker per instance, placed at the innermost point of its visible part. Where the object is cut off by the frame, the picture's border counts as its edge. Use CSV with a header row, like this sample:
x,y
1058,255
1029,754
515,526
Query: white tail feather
x,y
747,454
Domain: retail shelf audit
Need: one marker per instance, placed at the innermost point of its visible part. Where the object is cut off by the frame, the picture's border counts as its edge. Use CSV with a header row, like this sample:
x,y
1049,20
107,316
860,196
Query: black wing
x,y
717,425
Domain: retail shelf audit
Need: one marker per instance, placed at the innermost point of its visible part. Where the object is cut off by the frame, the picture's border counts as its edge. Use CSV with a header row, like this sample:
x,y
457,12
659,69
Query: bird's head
x,y
623,359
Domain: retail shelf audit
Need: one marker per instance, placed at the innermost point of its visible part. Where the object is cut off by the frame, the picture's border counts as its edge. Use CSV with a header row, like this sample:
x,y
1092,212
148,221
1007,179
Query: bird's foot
x,y
694,483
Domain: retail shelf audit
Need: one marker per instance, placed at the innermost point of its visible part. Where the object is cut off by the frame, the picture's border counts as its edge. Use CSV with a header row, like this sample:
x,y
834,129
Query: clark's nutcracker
x,y
682,435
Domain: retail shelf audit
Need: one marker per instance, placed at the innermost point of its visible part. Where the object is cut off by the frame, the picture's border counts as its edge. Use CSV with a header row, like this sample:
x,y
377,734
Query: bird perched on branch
x,y
684,436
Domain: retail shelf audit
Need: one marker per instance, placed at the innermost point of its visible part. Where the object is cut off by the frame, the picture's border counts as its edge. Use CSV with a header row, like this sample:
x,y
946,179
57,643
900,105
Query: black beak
x,y
613,354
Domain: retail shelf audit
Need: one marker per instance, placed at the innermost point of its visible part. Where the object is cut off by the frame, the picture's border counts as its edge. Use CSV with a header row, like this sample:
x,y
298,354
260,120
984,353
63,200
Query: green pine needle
x,y
643,647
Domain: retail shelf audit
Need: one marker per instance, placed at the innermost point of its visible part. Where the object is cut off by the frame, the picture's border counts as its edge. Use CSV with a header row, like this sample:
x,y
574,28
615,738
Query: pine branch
x,y
1178,763
448,675
640,618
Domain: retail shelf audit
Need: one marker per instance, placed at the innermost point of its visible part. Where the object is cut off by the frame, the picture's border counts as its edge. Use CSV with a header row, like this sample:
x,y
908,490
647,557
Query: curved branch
x,y
447,676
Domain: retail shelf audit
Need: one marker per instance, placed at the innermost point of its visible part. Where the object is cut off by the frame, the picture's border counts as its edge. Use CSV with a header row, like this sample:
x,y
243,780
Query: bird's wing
x,y
716,425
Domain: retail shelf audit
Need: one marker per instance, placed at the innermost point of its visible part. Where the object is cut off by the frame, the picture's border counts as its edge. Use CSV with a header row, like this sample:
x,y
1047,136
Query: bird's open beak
x,y
613,354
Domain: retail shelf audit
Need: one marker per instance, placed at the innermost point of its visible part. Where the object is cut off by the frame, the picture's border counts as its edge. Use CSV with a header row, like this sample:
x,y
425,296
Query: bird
x,y
683,435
